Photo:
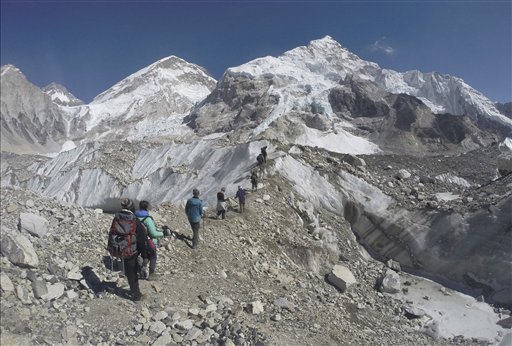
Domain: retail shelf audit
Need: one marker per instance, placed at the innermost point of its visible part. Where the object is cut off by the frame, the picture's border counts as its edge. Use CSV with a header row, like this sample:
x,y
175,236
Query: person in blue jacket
x,y
153,233
194,210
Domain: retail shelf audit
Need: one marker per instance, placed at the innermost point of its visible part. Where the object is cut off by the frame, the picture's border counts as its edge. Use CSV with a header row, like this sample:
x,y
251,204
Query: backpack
x,y
122,238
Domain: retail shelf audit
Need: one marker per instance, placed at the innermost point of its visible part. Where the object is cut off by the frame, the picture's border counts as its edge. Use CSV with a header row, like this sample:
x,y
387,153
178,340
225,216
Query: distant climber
x,y
221,204
240,194
194,210
260,159
254,181
264,153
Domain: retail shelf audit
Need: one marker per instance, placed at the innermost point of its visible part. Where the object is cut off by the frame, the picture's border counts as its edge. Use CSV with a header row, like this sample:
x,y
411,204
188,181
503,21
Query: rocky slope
x,y
258,278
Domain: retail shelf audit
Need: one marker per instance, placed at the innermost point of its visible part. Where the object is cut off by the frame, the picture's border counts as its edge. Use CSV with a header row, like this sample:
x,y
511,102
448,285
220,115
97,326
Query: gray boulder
x,y
19,250
341,277
34,224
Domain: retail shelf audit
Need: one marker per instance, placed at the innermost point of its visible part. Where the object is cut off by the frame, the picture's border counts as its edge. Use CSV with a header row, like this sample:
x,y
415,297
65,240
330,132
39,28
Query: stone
x,y
6,283
403,174
185,324
256,307
54,291
412,312
163,340
193,334
157,327
19,250
39,288
34,224
341,277
390,282
23,295
284,303
160,315
393,265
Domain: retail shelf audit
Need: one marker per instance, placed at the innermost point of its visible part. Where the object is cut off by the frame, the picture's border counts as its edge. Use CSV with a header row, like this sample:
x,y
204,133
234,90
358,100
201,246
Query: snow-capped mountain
x,y
282,95
61,96
31,121
148,103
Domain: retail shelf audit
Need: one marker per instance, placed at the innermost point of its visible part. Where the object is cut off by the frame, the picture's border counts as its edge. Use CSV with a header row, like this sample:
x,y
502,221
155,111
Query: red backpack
x,y
122,238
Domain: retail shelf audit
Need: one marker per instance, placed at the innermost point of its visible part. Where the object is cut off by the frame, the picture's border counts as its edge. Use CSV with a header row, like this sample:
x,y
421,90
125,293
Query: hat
x,y
127,203
195,192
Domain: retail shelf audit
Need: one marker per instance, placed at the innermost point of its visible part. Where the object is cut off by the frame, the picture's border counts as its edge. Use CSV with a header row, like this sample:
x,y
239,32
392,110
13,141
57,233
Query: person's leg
x,y
195,230
131,269
223,214
152,263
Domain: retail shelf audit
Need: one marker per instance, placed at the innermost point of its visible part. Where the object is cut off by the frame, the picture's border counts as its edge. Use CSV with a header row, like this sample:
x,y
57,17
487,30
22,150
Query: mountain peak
x,y
60,95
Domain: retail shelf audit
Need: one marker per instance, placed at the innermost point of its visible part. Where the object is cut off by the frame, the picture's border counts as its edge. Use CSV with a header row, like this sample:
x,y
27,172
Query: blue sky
x,y
89,45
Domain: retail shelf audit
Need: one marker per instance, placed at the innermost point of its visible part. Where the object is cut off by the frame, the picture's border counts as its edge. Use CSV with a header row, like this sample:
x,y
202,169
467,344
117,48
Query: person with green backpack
x,y
153,234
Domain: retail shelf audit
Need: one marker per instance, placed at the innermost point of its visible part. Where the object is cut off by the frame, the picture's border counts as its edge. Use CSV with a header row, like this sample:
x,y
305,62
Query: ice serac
x,y
291,96
95,174
31,121
471,249
149,103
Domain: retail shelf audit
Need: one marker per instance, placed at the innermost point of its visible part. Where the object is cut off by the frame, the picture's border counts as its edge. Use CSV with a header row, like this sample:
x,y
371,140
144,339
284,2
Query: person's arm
x,y
152,230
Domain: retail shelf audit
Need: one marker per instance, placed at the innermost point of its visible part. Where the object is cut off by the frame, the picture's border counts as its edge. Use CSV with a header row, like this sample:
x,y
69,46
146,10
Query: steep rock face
x,y
505,109
31,122
270,94
403,123
236,103
61,96
149,103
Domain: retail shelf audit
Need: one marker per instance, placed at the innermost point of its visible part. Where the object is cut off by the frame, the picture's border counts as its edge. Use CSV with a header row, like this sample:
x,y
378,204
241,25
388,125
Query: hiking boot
x,y
152,277
139,298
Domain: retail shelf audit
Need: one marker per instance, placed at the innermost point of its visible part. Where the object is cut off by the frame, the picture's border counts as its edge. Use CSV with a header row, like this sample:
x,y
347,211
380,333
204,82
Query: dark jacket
x,y
221,197
240,194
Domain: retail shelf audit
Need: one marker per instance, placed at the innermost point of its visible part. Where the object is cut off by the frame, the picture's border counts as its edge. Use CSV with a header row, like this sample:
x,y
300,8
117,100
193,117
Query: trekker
x,y
240,194
194,210
221,204
254,181
260,159
264,153
153,233
125,227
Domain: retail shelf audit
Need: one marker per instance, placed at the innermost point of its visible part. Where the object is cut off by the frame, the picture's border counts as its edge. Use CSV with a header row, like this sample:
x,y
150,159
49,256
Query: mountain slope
x,y
283,96
148,103
31,121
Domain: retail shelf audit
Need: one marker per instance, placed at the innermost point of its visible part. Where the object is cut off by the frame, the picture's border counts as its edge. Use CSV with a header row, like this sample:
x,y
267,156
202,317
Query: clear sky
x,y
89,45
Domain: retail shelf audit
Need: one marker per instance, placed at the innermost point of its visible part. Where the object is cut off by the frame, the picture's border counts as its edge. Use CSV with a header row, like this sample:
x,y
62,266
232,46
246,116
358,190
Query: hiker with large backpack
x,y
126,240
194,210
153,234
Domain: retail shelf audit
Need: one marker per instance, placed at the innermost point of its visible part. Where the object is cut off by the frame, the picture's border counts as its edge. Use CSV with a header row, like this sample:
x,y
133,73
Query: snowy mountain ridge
x,y
61,96
308,72
164,89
